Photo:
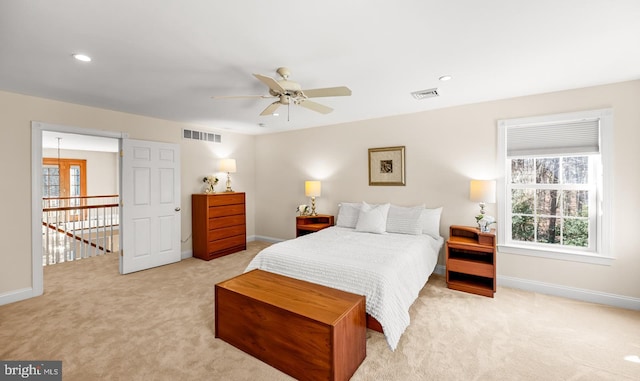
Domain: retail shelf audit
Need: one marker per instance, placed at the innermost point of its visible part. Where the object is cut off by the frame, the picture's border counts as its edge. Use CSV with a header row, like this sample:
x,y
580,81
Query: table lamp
x,y
482,191
229,166
312,189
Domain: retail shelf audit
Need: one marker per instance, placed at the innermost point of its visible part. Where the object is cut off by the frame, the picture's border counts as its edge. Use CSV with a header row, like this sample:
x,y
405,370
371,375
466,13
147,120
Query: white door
x,y
150,199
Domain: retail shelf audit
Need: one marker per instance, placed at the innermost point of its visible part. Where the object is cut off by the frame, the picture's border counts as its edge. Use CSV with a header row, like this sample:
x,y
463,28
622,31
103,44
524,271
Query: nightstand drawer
x,y
470,267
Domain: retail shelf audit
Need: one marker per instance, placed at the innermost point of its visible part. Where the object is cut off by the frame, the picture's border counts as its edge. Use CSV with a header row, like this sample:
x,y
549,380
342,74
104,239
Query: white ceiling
x,y
166,58
65,141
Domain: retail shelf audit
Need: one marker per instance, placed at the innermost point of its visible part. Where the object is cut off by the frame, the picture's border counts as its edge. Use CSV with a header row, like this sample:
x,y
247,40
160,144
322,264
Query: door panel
x,y
150,205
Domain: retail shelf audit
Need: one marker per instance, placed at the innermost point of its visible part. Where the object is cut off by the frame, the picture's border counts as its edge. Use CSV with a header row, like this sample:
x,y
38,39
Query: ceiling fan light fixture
x,y
290,92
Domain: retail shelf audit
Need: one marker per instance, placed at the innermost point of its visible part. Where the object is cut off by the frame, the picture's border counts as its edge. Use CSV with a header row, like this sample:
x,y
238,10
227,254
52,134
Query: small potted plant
x,y
485,222
303,210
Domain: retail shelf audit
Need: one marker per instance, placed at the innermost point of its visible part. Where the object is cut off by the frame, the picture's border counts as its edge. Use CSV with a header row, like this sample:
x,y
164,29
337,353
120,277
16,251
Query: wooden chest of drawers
x,y
218,224
309,331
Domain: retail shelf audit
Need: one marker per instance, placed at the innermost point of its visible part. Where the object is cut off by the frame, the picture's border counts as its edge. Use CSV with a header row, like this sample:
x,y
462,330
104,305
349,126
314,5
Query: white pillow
x,y
372,219
430,220
405,220
348,214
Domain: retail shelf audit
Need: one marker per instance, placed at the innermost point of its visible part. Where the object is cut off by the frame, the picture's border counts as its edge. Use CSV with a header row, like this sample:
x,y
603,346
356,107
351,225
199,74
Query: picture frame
x,y
387,166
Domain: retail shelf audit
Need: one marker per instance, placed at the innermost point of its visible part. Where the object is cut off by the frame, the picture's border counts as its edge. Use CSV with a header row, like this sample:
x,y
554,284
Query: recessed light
x,y
275,114
445,78
82,57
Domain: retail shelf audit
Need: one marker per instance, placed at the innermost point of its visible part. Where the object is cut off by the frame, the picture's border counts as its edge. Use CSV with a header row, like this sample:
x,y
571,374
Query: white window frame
x,y
601,253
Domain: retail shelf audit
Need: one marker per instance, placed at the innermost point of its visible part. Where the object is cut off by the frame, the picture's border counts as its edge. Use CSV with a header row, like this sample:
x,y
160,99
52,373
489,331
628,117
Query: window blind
x,y
573,137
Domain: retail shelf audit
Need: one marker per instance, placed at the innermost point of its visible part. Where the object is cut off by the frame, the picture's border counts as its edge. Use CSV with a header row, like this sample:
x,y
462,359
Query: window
x,y
553,197
64,178
549,200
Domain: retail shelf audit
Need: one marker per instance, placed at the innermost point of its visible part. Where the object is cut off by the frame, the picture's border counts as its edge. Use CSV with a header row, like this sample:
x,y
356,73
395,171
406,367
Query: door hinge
x,y
122,253
121,153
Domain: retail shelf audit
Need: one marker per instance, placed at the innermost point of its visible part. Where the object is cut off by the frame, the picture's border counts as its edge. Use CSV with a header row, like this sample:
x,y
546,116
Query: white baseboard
x,y
186,254
590,296
267,239
17,295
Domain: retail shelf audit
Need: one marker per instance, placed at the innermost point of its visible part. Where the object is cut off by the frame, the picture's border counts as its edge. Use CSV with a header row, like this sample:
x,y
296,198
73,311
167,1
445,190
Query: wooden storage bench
x,y
308,331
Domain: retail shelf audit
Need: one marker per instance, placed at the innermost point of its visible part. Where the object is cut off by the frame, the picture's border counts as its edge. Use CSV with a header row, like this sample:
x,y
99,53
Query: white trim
x,y
37,286
186,254
557,254
268,239
604,240
17,295
590,296
37,272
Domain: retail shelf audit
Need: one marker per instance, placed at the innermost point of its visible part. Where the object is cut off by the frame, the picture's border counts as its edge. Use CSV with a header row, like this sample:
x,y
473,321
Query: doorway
x,y
40,131
80,200
152,169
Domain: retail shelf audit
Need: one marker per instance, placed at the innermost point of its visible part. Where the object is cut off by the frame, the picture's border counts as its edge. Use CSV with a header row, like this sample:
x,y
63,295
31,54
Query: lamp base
x,y
313,206
482,205
228,183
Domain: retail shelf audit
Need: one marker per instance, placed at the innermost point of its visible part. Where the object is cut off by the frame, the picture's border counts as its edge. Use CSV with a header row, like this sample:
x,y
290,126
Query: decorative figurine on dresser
x,y
218,224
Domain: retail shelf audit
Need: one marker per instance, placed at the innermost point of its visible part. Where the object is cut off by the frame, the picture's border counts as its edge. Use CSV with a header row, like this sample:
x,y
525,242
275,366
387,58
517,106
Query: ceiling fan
x,y
289,92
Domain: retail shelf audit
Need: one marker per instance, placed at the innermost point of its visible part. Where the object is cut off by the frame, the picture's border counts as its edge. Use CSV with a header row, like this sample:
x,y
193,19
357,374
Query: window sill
x,y
559,255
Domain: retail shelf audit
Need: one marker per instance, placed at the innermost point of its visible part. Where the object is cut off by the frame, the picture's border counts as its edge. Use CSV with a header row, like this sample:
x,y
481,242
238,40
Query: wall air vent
x,y
199,135
429,93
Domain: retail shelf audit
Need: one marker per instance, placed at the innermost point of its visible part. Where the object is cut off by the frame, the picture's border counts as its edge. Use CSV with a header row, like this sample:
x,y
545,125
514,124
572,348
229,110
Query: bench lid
x,y
317,302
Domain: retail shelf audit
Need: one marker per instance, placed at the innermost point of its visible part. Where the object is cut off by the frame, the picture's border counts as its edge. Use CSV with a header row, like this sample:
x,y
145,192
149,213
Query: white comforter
x,y
388,269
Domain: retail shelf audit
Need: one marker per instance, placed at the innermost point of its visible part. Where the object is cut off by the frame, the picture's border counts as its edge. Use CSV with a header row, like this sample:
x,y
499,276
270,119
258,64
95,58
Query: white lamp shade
x,y
228,165
312,188
483,191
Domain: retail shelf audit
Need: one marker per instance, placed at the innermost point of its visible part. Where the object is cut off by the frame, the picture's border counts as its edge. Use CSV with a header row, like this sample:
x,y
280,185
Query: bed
x,y
380,260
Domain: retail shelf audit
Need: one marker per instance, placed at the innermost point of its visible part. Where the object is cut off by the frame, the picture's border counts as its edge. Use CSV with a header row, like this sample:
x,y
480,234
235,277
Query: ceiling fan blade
x,y
271,108
339,91
317,107
240,96
271,83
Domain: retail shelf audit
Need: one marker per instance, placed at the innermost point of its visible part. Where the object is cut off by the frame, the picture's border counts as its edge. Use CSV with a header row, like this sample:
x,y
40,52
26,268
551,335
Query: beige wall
x,y
102,169
444,150
16,113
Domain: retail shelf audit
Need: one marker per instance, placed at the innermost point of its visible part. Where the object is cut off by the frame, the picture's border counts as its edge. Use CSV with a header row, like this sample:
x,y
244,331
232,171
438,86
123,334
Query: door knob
x,y
177,209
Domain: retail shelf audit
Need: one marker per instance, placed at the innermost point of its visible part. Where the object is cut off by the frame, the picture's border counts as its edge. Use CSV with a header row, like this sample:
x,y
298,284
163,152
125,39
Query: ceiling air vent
x,y
199,135
429,93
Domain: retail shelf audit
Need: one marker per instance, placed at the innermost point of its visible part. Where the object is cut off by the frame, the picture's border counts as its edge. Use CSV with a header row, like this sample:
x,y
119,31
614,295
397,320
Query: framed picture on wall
x,y
386,166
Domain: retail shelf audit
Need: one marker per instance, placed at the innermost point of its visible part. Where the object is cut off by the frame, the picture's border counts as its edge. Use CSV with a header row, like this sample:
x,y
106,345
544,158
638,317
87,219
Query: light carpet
x,y
158,325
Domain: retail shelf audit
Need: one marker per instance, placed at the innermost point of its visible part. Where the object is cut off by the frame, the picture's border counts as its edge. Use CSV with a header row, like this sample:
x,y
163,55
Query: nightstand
x,y
471,260
311,224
